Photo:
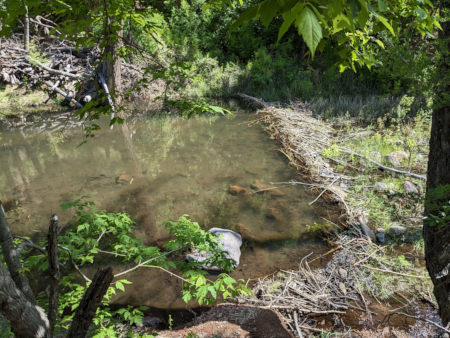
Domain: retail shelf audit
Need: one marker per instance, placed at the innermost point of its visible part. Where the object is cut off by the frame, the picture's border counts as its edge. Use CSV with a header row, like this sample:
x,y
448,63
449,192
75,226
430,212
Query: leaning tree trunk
x,y
437,236
26,318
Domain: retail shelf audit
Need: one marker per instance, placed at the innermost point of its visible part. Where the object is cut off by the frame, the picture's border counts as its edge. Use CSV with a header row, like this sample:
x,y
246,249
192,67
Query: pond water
x,y
158,169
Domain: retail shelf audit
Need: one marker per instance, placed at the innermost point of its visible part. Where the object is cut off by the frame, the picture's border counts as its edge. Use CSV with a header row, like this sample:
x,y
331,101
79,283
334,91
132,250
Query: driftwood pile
x,y
356,265
57,65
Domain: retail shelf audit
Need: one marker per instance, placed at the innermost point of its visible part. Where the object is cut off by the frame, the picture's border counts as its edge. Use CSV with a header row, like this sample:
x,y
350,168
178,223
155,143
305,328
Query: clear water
x,y
169,167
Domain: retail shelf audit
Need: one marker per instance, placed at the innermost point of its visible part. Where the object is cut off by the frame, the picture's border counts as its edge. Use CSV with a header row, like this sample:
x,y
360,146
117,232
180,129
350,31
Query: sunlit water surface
x,y
169,167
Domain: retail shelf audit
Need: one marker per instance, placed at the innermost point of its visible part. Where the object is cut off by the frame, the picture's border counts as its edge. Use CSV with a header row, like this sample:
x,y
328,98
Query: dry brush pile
x,y
57,65
360,272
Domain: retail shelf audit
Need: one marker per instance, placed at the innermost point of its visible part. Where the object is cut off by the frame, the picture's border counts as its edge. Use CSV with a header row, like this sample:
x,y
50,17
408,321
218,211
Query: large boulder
x,y
231,243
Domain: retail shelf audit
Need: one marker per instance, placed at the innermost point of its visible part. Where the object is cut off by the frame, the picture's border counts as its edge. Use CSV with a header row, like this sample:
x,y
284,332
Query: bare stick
x,y
53,87
395,273
30,243
53,71
54,272
141,264
90,302
296,325
381,166
73,263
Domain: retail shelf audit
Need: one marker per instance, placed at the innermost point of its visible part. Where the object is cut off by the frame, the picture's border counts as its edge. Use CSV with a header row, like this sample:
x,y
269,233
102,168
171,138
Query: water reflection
x,y
158,170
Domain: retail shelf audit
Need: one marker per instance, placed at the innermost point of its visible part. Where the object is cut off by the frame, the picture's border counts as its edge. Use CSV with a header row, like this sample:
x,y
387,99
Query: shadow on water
x,y
216,169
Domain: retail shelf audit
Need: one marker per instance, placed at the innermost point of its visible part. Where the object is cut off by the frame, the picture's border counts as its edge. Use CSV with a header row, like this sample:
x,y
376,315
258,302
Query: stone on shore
x,y
231,243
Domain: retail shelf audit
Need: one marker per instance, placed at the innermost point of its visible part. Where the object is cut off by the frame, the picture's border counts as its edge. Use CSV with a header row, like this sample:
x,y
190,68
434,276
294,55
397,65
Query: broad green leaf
x,y
309,27
386,24
119,286
363,15
382,6
267,11
335,8
421,14
355,7
289,18
379,43
249,14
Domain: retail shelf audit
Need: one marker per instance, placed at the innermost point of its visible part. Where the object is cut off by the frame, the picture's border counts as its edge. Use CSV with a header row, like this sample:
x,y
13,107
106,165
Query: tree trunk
x,y
12,258
27,319
111,66
26,29
437,238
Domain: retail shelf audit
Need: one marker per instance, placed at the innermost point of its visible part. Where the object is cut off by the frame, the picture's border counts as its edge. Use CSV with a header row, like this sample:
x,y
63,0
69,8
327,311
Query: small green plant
x,y
98,233
35,54
170,322
331,151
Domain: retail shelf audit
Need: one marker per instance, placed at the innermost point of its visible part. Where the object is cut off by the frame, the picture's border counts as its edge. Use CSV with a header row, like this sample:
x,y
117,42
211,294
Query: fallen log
x,y
251,101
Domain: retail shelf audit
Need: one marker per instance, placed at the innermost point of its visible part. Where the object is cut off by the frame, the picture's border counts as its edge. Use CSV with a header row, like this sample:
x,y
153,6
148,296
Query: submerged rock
x,y
237,190
124,179
231,243
261,188
274,214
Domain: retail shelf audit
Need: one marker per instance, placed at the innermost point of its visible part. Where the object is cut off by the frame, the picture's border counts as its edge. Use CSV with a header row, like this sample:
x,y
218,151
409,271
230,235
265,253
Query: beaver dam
x,y
218,170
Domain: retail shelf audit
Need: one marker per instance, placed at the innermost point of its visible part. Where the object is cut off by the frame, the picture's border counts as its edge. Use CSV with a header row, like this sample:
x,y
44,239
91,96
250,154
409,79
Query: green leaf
x,y
289,18
267,11
421,14
386,24
119,286
309,27
249,14
382,6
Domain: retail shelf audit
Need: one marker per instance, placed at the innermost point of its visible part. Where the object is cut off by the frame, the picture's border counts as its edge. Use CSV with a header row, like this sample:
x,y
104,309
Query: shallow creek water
x,y
158,169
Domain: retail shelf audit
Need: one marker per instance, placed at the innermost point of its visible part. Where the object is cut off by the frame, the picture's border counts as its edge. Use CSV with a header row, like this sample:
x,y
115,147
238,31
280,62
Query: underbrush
x,y
382,195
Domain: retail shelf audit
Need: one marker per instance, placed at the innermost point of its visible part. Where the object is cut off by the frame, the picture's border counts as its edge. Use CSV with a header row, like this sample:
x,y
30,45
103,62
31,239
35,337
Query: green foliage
x,y
98,233
438,206
353,25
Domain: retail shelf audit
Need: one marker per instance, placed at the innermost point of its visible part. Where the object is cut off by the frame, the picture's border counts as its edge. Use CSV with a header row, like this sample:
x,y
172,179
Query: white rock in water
x,y
231,243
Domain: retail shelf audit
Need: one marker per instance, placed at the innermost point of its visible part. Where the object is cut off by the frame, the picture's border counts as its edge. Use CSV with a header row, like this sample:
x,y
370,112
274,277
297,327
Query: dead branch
x,y
54,272
90,302
383,167
53,71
